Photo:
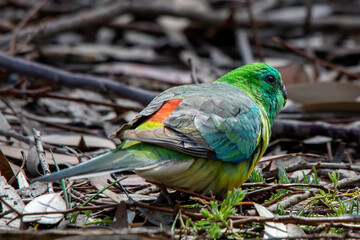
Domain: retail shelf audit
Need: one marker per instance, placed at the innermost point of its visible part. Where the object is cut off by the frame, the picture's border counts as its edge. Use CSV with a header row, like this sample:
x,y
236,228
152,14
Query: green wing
x,y
213,120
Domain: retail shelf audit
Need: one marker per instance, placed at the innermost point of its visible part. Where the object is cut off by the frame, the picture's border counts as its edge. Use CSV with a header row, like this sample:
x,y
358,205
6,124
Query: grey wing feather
x,y
207,123
170,139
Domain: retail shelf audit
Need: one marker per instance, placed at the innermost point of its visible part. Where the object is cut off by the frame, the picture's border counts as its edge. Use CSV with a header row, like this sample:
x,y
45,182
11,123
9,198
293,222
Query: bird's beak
x,y
283,91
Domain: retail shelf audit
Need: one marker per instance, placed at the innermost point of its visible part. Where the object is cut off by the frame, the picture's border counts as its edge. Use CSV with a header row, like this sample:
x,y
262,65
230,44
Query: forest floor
x,y
73,72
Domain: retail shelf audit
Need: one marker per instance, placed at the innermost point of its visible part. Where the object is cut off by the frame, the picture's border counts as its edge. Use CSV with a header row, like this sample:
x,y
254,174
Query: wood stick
x,y
102,14
73,80
316,60
293,128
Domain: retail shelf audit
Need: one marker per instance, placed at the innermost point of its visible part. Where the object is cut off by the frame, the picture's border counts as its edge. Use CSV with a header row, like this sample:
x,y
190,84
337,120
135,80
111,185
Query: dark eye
x,y
270,79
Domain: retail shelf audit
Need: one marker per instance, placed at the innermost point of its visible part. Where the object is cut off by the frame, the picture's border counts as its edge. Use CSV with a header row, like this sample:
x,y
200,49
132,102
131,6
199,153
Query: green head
x,y
263,83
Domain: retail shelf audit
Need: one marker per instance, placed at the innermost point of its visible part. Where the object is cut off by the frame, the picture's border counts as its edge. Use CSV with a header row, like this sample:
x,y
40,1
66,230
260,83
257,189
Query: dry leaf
x,y
272,230
5,168
278,230
73,141
51,202
326,96
15,152
10,195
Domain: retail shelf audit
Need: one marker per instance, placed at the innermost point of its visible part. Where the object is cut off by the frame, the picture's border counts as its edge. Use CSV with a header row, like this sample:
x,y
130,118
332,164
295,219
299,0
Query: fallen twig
x,y
23,158
271,187
301,165
293,200
12,91
23,22
316,60
290,155
75,80
293,128
255,31
67,22
45,93
80,19
29,141
192,66
41,155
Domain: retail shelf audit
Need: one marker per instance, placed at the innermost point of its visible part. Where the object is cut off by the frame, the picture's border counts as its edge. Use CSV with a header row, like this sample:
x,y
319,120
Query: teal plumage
x,y
202,137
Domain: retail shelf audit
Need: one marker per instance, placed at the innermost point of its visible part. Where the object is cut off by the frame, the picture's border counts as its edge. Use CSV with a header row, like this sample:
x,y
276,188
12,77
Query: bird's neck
x,y
267,107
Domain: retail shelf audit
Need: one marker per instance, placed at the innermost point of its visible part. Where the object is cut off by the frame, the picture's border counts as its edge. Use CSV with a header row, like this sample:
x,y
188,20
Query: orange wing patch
x,y
165,110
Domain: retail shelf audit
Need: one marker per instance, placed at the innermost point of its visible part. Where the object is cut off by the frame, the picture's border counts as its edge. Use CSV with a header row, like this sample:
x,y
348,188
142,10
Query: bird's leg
x,y
164,194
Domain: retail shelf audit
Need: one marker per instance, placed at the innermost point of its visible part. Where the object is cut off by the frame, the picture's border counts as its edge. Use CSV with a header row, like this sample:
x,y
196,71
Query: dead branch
x,y
67,22
290,155
255,31
23,158
293,200
301,165
307,23
293,128
243,46
271,187
45,93
59,125
192,66
89,101
210,18
23,22
101,14
29,141
316,60
41,156
12,91
50,7
281,197
75,80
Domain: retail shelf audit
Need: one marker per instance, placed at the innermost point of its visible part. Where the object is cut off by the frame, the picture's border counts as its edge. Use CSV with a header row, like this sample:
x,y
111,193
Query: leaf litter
x,y
306,184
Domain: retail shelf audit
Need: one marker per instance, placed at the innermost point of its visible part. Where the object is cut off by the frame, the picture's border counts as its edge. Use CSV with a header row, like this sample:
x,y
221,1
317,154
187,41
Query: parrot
x,y
205,138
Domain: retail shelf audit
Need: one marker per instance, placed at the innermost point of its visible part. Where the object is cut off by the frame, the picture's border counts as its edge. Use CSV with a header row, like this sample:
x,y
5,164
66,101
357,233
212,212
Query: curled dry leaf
x,y
278,230
272,230
51,202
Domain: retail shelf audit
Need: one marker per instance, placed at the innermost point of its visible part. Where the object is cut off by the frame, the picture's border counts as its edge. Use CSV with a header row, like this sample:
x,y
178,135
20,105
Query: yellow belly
x,y
198,175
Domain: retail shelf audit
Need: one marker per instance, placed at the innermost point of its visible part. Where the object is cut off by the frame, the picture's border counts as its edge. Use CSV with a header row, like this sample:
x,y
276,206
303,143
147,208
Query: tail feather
x,y
130,155
113,161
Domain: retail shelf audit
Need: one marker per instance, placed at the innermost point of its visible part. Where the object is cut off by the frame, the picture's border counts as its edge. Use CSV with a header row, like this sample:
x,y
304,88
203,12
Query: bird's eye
x,y
270,79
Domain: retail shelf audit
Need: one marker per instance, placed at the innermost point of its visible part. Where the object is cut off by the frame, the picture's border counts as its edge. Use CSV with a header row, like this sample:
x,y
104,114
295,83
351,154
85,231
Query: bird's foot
x,y
164,195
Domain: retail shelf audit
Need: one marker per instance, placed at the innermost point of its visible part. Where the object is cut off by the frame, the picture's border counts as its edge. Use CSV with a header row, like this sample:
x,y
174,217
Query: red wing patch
x,y
165,110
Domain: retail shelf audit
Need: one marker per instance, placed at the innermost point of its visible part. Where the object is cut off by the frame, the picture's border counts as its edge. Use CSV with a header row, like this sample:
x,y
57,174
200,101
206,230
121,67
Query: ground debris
x,y
77,72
